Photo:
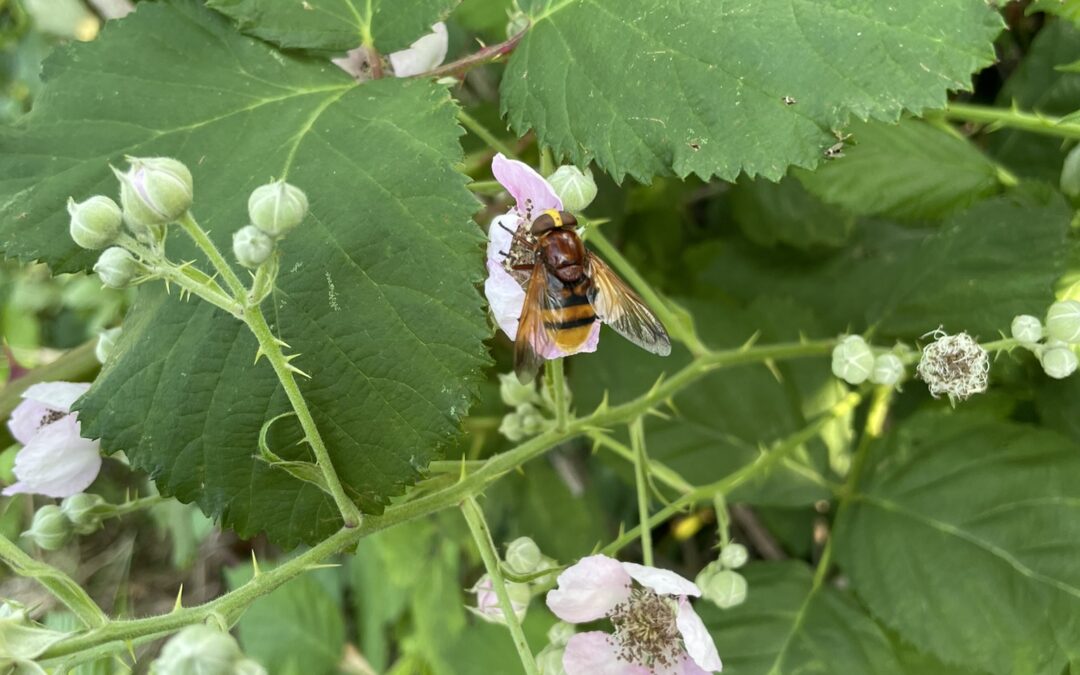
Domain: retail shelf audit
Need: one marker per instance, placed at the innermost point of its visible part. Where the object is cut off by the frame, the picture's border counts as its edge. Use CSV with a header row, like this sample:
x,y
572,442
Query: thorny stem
x,y
554,370
637,443
474,516
59,584
488,54
1006,117
485,134
660,472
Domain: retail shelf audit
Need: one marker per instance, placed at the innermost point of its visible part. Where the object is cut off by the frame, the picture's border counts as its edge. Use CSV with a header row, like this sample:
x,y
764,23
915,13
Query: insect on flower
x,y
568,289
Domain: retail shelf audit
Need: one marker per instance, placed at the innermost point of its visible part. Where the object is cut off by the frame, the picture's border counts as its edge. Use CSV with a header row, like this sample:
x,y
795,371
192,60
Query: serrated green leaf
x,y
786,627
785,213
907,170
649,87
978,519
376,292
336,25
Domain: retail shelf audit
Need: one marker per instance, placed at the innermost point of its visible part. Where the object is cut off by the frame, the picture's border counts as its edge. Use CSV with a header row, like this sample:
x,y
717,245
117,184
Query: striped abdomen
x,y
569,314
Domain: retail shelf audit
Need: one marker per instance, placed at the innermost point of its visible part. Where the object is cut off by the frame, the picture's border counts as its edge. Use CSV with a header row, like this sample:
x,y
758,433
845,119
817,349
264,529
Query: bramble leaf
x,y
785,213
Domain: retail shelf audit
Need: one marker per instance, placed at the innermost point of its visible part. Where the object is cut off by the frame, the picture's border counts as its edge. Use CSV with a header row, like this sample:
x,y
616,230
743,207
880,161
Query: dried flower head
x,y
955,365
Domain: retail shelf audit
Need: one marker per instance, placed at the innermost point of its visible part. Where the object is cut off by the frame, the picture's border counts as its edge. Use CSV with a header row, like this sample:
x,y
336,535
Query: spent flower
x,y
954,365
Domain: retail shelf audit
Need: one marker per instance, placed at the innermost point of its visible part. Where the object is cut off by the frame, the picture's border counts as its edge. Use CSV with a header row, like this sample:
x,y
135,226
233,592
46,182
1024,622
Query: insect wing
x,y
534,338
619,306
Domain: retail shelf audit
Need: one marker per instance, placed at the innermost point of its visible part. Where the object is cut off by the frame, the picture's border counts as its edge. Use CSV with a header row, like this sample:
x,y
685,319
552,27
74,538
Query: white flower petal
x,y
57,462
505,298
664,582
26,419
500,235
423,55
589,589
698,641
595,653
56,395
532,193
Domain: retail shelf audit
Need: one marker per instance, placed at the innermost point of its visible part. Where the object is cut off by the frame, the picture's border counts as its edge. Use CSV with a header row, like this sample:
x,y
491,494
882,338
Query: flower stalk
x,y
63,587
637,443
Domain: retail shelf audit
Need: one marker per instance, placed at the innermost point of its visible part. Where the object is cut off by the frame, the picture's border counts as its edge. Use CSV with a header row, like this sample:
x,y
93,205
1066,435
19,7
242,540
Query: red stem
x,y
485,55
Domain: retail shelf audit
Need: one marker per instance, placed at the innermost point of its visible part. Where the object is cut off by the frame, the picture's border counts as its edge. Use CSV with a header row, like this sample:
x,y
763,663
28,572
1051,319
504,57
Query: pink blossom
x,y
55,459
505,290
487,602
639,601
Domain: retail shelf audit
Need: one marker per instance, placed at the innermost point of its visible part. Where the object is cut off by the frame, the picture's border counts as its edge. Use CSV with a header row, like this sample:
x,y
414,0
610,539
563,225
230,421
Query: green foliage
x,y
784,213
647,87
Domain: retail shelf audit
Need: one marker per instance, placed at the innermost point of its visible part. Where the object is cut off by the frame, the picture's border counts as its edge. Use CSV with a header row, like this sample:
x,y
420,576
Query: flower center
x,y
645,630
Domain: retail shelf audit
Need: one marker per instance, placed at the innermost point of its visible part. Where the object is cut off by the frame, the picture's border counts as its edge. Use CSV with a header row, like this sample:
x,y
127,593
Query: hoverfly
x,y
568,290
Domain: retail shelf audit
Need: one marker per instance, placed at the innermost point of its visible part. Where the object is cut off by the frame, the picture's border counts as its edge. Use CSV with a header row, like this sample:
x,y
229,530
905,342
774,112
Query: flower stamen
x,y
645,630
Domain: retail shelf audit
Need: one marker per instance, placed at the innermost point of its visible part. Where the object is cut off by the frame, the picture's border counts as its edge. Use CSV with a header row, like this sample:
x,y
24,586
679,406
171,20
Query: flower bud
x,y
852,360
1070,175
251,246
1059,361
725,589
532,422
13,612
105,343
560,633
734,556
154,191
522,556
1063,321
550,660
95,223
248,667
510,427
888,369
50,528
1026,328
514,393
198,650
576,188
277,207
116,267
487,602
84,511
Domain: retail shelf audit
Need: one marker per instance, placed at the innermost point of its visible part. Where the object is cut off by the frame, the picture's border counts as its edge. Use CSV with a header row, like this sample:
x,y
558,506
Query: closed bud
x,y
734,556
50,528
1070,175
198,650
560,633
550,660
1059,361
510,427
95,223
725,589
487,602
852,360
248,667
576,188
522,556
154,191
514,393
116,267
277,207
888,369
105,343
1026,328
251,246
532,422
84,511
1063,321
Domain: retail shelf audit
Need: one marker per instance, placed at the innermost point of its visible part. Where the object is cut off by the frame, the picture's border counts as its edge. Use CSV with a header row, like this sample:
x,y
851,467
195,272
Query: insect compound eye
x,y
545,223
568,219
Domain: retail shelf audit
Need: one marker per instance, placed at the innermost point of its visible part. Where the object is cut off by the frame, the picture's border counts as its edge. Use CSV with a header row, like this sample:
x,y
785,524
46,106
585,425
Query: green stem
x,y
474,516
547,162
557,377
661,472
189,278
206,245
637,442
679,327
486,187
1006,117
484,134
74,364
59,584
134,505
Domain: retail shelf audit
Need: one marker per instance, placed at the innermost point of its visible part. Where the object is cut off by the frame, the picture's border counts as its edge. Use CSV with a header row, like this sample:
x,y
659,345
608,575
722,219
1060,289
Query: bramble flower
x,y
656,632
425,54
55,460
487,602
505,287
955,365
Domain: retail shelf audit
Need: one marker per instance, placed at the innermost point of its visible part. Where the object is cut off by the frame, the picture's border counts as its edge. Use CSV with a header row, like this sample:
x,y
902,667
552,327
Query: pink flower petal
x,y
532,192
423,55
595,653
26,419
500,235
699,643
589,590
56,395
505,298
664,582
57,462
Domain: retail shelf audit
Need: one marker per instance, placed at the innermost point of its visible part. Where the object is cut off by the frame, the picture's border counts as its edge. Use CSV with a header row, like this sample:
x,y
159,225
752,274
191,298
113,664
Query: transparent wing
x,y
533,336
619,306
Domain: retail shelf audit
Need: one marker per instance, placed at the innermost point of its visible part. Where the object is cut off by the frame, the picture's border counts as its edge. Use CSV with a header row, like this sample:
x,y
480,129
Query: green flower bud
x,y
888,369
116,267
725,589
95,223
734,556
1027,328
248,667
510,427
550,660
852,360
1063,321
251,246
1059,361
576,188
198,650
1070,175
522,556
105,343
84,511
50,528
154,191
514,393
560,633
277,207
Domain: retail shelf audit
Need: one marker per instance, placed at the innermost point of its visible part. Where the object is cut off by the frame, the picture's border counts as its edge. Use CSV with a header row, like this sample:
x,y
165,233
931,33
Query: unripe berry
x,y
277,207
523,556
1026,328
50,528
251,246
95,223
1059,361
1063,321
198,650
725,589
888,369
154,191
576,188
84,511
734,556
106,341
116,267
852,360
